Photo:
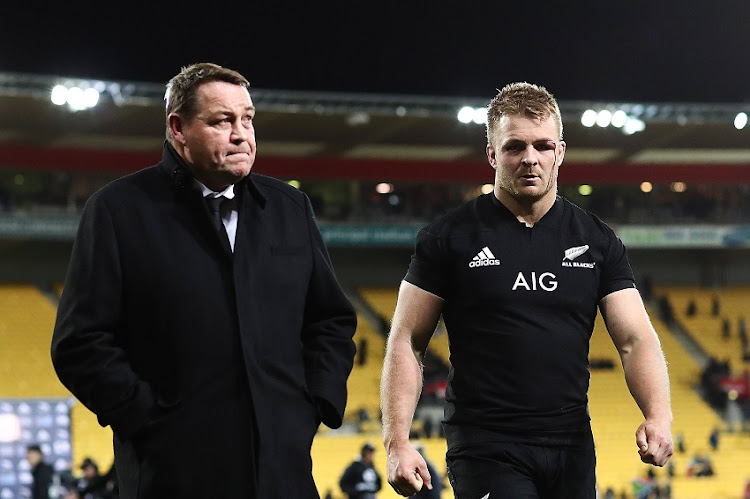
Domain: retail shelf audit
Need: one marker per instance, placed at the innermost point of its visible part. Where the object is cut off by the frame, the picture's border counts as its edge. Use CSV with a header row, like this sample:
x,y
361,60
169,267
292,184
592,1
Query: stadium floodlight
x,y
603,118
633,125
585,189
646,187
740,121
75,99
588,118
619,118
480,116
59,95
466,114
487,188
90,97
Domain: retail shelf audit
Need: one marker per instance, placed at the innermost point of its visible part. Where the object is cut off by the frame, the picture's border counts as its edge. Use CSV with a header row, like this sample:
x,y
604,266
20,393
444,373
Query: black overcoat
x,y
213,369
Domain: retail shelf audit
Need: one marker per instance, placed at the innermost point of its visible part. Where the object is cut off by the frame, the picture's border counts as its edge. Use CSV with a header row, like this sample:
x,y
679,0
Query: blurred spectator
x,y
360,479
428,426
42,473
436,478
666,311
711,383
715,306
692,308
742,332
680,443
363,417
700,465
725,328
362,352
93,485
645,485
713,439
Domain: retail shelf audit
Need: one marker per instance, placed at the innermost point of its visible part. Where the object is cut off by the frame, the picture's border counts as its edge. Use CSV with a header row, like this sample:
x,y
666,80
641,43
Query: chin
x,y
239,171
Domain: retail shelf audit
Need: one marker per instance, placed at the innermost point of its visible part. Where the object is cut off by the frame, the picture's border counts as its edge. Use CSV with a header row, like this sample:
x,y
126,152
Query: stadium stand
x,y
27,318
383,301
706,328
331,455
364,382
49,167
615,418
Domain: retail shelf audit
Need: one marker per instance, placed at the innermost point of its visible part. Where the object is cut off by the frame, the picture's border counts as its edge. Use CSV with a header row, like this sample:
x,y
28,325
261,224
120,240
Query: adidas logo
x,y
484,258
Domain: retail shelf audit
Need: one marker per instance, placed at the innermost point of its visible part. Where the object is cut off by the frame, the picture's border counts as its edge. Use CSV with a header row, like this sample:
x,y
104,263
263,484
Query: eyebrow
x,y
514,141
227,111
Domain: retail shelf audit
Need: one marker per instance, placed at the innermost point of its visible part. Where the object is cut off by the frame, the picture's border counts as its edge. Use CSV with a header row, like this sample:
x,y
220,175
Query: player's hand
x,y
654,440
406,470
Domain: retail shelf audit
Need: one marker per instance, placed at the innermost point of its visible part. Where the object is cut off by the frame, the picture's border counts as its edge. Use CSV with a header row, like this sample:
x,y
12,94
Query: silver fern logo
x,y
575,252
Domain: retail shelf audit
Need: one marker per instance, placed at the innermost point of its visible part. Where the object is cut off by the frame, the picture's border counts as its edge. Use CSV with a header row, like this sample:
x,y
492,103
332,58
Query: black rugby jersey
x,y
520,306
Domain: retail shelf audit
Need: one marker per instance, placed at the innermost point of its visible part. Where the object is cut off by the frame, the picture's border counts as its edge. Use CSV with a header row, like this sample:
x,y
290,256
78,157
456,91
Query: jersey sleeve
x,y
427,268
616,271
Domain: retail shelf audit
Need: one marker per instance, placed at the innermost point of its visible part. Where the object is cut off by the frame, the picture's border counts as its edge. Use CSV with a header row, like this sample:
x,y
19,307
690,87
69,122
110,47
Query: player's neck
x,y
527,210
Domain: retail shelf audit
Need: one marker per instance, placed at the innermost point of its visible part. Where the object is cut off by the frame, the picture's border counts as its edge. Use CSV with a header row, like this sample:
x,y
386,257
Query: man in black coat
x,y
213,351
360,479
42,473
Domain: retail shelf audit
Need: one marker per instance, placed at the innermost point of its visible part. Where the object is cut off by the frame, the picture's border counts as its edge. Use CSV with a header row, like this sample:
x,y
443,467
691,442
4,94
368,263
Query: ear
x,y
560,152
491,155
175,126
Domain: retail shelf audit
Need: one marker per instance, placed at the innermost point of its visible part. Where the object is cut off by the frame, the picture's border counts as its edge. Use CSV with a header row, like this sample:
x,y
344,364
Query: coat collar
x,y
174,167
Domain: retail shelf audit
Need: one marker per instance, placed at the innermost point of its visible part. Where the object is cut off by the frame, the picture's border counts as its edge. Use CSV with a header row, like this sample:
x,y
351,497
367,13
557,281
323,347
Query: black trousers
x,y
495,470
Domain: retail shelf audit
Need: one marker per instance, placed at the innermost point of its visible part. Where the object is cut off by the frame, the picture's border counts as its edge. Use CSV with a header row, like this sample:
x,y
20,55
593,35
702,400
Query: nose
x,y
530,156
239,133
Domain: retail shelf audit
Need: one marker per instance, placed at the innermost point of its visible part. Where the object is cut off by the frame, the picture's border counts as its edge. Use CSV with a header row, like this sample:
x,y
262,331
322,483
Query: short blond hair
x,y
522,99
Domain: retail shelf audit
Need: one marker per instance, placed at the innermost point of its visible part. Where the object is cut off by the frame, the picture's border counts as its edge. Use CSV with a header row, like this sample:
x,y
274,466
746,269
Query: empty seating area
x,y
615,417
27,318
383,301
26,321
705,327
364,382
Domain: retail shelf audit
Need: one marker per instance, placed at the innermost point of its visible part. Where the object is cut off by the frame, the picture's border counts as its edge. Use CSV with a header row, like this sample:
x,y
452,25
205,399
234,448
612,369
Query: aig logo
x,y
546,281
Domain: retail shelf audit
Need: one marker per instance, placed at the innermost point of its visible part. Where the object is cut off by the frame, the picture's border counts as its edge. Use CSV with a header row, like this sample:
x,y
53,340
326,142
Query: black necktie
x,y
217,206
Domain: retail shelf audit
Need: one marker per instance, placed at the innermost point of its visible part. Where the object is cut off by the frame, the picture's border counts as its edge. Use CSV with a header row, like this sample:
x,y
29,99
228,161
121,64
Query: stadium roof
x,y
360,135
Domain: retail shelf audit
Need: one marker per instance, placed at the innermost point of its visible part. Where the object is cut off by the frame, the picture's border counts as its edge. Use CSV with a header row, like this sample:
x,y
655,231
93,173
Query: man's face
x,y
89,472
33,457
219,142
526,154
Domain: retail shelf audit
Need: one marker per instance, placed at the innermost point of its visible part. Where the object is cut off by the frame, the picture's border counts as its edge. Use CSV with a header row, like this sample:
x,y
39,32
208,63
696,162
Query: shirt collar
x,y
205,191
